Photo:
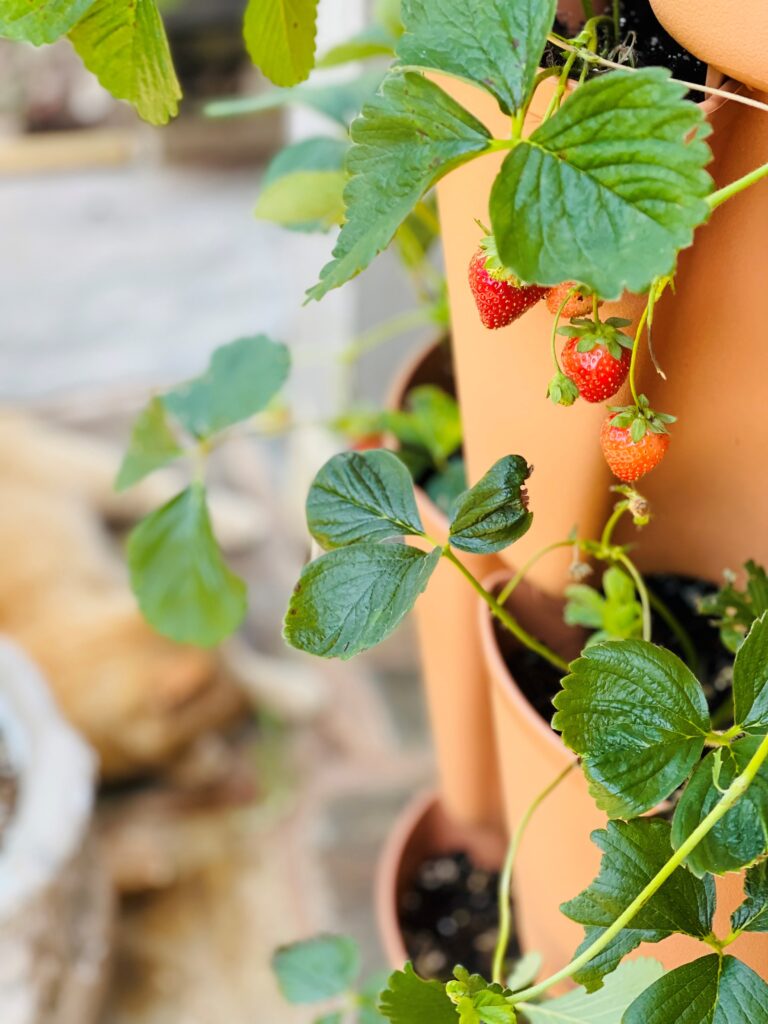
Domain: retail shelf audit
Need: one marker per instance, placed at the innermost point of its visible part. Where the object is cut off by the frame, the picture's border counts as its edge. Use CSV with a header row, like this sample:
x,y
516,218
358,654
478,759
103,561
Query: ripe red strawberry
x,y
499,295
635,440
596,357
579,304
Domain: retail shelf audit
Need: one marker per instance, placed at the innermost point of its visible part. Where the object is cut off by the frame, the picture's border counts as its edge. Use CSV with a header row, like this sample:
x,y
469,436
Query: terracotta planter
x,y
732,37
55,899
557,859
422,831
502,375
457,696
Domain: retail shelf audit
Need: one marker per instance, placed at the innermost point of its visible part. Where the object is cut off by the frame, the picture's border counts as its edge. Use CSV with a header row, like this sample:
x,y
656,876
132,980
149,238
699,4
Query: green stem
x,y
556,324
731,797
377,335
633,360
723,194
521,573
616,20
505,882
610,526
511,624
683,636
554,103
642,590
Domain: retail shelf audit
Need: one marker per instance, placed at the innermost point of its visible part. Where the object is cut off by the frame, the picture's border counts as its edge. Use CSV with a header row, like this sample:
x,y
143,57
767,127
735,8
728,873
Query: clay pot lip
x,y
504,679
56,770
421,818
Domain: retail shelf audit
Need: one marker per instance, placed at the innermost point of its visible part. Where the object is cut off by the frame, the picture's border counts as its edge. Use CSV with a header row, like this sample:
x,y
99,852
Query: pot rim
x,y
509,689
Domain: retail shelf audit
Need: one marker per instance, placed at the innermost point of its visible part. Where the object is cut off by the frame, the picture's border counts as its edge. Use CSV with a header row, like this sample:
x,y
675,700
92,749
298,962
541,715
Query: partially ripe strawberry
x,y
500,297
367,442
635,440
596,357
579,304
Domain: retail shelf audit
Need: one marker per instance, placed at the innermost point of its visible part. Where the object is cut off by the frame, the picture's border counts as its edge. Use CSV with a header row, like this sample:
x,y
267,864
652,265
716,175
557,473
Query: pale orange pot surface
x,y
456,690
502,375
731,35
557,859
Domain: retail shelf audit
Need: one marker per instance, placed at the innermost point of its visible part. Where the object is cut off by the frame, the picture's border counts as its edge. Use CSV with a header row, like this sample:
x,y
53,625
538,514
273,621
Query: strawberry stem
x,y
633,360
553,342
723,194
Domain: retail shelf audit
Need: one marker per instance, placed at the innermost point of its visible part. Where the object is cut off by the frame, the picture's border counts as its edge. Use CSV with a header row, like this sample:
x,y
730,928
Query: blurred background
x,y
242,800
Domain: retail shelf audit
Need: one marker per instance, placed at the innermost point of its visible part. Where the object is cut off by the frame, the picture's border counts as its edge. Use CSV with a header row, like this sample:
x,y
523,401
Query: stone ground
x,y
115,281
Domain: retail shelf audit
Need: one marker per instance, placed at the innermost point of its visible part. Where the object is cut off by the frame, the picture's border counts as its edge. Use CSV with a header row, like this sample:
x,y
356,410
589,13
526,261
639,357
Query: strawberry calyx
x,y
591,333
639,419
494,266
562,390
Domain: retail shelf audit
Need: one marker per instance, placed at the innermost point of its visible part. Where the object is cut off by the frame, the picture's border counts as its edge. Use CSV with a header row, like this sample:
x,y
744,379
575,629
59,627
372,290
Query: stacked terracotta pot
x,y
708,497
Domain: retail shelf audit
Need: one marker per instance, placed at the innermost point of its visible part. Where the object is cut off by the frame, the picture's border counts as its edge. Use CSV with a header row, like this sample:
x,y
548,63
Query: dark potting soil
x,y
646,43
449,916
540,681
8,789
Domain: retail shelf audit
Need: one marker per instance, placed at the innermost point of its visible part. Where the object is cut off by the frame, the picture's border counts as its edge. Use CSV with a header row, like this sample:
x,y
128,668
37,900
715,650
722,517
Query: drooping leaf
x,y
153,444
40,21
432,421
752,915
362,496
633,854
707,991
410,134
352,598
497,45
280,38
608,190
750,679
494,513
123,43
637,717
184,587
241,380
408,999
317,968
303,187
734,608
339,101
604,1007
741,836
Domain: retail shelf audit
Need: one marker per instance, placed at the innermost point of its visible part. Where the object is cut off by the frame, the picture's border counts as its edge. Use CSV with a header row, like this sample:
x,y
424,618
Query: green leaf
x,y
352,598
40,21
410,134
153,444
360,496
304,197
183,585
316,969
375,41
408,999
287,195
432,421
368,998
608,190
633,854
741,836
241,380
604,1007
638,718
617,616
735,609
444,486
497,45
494,513
750,679
331,1018
280,38
752,915
123,43
339,101
707,991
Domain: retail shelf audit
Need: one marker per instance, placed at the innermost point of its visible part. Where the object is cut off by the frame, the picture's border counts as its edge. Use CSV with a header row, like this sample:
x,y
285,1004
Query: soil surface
x,y
449,916
8,789
540,682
